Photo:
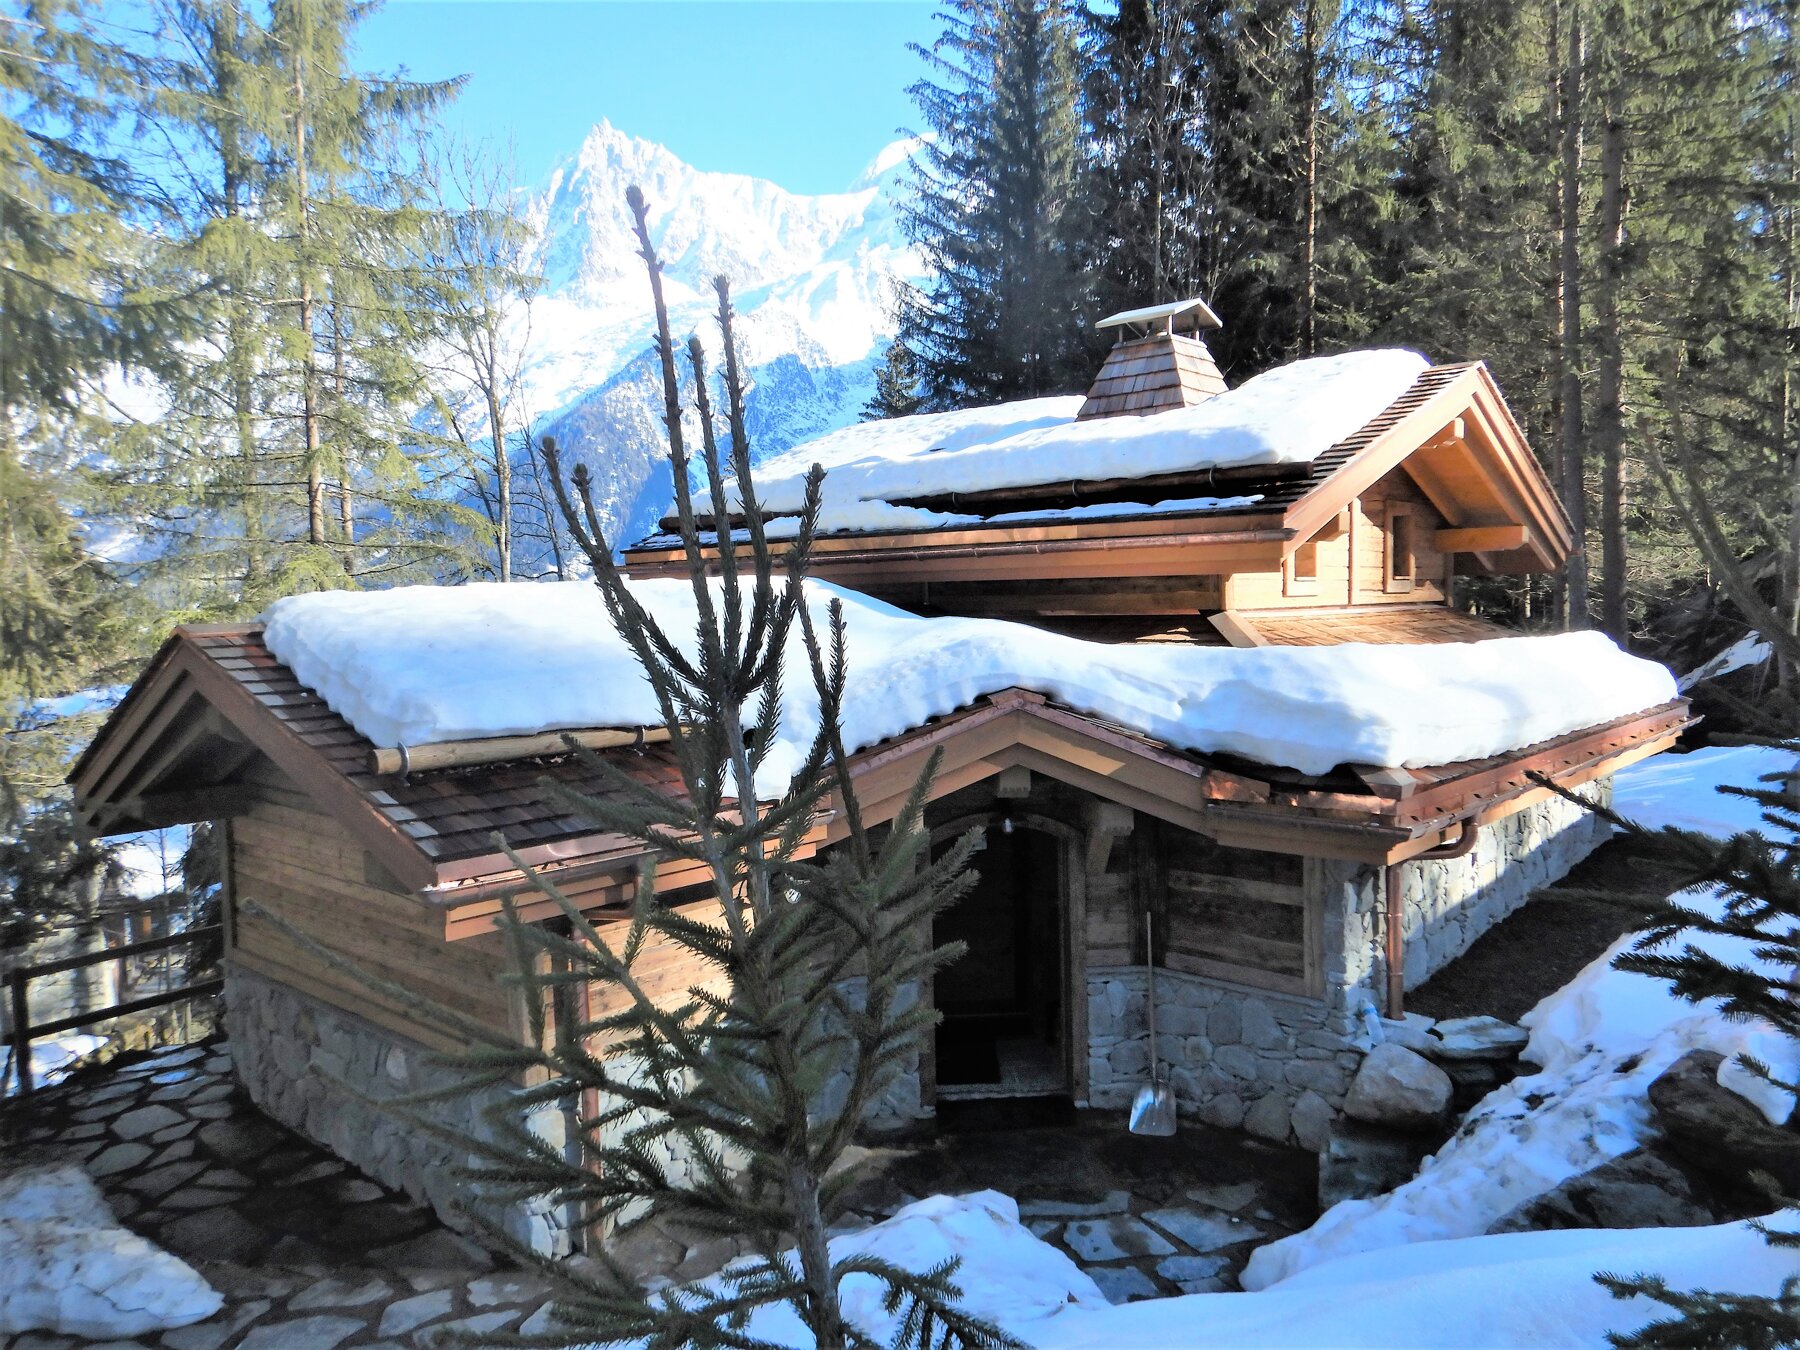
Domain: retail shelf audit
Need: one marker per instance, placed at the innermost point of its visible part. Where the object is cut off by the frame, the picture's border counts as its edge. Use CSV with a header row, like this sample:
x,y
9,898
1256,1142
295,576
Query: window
x,y
1303,569
1400,560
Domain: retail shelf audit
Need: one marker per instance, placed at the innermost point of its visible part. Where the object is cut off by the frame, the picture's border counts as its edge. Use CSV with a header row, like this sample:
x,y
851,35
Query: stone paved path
x,y
1145,1217
311,1255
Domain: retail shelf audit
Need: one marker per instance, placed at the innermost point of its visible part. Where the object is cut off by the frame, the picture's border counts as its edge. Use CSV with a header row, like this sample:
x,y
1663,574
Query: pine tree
x,y
896,385
1755,878
992,208
728,1112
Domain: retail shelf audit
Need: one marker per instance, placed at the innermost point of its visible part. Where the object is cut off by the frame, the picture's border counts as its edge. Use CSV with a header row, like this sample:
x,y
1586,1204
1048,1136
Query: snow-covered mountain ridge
x,y
812,278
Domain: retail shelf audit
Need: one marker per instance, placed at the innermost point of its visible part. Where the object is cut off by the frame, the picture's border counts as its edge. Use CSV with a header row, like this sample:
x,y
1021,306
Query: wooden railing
x,y
19,981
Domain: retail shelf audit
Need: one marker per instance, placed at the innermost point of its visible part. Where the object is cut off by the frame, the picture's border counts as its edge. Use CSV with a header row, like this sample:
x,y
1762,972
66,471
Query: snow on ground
x,y
1514,1289
1683,790
1007,1275
1482,1293
421,664
1289,415
67,1266
1746,651
1601,1040
51,1058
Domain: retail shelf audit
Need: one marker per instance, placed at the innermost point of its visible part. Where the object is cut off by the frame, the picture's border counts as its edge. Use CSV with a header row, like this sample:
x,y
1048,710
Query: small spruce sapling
x,y
726,1110
1755,879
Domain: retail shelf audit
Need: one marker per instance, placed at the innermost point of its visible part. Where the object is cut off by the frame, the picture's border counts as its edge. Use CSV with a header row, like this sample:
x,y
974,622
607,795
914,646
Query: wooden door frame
x,y
1071,887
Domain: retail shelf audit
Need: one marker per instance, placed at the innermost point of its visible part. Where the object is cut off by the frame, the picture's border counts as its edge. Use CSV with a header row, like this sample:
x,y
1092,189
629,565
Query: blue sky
x,y
802,92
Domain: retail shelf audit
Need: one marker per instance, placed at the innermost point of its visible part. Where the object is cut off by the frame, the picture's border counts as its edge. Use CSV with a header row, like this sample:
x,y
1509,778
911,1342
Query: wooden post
x,y
21,1032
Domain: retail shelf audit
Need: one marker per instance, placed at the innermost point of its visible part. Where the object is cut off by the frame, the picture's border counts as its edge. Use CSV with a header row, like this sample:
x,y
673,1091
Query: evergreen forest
x,y
254,299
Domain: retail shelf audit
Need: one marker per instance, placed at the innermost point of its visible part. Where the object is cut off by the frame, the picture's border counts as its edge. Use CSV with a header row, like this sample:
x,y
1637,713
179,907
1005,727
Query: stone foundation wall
x,y
1448,905
292,1052
1271,1064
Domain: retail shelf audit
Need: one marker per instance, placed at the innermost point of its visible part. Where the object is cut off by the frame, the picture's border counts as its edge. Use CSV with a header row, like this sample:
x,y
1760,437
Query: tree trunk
x,y
1609,413
1309,247
1574,449
309,373
502,464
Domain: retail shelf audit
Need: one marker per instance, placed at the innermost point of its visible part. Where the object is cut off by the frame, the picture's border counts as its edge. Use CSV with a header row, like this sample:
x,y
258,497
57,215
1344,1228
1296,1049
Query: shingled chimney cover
x,y
1155,367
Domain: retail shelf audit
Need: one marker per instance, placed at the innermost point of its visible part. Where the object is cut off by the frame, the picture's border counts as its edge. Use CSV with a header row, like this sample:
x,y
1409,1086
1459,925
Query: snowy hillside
x,y
812,278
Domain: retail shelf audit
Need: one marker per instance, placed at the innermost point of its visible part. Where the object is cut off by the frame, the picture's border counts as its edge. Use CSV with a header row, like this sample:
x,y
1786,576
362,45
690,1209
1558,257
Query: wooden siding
x,y
1352,558
305,868
1153,374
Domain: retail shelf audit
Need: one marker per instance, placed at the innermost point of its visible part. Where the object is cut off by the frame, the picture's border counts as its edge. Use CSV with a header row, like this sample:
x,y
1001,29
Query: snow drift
x,y
1600,1040
421,664
1510,1290
67,1266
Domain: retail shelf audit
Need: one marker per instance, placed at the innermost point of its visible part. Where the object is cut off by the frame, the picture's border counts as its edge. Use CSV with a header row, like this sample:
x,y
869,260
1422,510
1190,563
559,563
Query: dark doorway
x,y
1002,1001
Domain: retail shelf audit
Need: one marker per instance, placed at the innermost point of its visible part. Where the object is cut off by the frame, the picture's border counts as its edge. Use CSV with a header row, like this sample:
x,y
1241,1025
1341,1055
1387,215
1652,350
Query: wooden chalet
x,y
1303,903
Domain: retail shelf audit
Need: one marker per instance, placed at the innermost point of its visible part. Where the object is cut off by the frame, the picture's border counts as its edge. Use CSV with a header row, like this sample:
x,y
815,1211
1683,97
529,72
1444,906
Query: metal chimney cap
x,y
1164,316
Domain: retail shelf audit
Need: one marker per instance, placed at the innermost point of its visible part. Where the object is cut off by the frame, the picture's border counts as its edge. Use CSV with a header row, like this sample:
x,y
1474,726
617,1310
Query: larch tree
x,y
480,245
287,455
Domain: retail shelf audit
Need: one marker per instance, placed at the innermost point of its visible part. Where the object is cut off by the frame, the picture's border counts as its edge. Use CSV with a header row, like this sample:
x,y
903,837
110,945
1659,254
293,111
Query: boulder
x,y
1363,1160
1412,1030
1479,1037
1718,1132
1639,1189
1400,1089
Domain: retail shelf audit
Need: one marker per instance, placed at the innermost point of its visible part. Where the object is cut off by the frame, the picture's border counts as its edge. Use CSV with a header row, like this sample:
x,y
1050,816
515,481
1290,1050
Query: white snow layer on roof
x,y
857,517
421,664
1602,1039
67,1266
1289,415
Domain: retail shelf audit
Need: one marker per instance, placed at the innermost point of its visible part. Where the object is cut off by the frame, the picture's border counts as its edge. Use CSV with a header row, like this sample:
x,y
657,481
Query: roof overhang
x,y
213,701
1451,432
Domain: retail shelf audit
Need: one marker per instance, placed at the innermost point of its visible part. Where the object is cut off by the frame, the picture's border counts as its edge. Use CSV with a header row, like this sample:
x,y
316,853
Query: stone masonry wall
x,y
1278,1065
1270,1064
289,1048
1448,905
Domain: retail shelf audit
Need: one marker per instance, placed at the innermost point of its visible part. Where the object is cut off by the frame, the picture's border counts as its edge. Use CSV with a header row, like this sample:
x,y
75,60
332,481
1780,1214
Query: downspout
x,y
1395,946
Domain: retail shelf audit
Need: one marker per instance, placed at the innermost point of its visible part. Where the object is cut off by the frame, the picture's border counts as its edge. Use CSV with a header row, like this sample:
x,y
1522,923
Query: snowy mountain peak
x,y
812,277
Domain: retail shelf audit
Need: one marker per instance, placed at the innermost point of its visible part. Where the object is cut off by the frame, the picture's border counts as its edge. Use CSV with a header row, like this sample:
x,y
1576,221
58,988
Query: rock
x,y
1124,1284
1412,1030
1204,1230
1312,1122
144,1120
1400,1089
1362,1160
402,1317
1718,1132
1479,1037
1114,1239
1113,1202
1636,1190
1269,1118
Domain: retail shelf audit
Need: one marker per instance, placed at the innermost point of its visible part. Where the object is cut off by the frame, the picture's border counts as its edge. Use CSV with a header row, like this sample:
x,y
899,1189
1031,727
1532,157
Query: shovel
x,y
1153,1110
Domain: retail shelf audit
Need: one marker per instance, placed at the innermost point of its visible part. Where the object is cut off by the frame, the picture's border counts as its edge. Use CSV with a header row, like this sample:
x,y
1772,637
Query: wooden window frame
x,y
1292,583
1395,581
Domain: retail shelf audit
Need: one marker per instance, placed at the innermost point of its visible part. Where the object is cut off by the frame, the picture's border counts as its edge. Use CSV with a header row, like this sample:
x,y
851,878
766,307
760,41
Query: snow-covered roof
x,y
416,665
1286,416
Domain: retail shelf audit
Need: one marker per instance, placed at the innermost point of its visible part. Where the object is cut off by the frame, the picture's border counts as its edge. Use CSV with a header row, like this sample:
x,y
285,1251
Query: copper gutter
x,y
1395,943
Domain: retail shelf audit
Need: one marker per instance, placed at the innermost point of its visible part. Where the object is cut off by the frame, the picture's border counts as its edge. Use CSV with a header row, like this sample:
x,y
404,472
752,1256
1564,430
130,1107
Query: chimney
x,y
1155,366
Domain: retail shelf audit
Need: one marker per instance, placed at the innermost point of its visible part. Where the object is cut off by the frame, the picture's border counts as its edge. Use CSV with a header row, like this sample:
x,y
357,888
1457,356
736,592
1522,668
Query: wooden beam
x,y
499,749
1481,539
1237,630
